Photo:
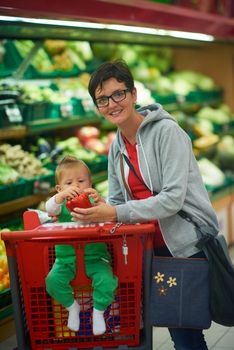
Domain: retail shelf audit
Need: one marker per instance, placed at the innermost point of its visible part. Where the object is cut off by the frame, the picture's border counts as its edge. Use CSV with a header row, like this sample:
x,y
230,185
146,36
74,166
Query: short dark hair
x,y
117,69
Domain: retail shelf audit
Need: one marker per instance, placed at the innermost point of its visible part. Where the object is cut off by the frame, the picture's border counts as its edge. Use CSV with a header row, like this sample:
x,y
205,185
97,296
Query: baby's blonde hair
x,y
66,162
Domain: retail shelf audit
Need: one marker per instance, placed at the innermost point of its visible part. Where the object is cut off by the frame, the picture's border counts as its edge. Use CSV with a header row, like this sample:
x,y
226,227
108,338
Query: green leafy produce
x,y
225,152
102,188
24,163
73,147
40,61
215,115
7,174
211,174
192,79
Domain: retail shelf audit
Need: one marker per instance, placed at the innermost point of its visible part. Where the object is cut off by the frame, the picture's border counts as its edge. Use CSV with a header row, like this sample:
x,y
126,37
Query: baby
x,y
72,178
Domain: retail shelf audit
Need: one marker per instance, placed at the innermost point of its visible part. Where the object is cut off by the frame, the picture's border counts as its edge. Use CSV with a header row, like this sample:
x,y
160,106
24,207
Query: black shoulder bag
x,y
189,292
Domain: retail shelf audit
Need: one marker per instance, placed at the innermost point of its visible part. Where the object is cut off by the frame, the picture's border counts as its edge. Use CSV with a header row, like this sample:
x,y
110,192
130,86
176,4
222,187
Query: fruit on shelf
x,y
4,273
95,145
80,201
89,137
87,132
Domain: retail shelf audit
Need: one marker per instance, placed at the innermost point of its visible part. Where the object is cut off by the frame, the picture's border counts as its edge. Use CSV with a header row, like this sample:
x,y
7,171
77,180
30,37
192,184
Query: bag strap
x,y
123,177
181,213
131,167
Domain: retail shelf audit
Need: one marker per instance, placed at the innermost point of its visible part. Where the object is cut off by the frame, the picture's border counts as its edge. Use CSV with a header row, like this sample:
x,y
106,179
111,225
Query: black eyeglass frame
x,y
111,96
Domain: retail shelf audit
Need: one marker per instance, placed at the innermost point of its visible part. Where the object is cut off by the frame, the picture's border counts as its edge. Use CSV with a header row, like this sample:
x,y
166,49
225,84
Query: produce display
x,y
67,66
220,115
102,188
225,153
25,164
7,174
90,137
56,55
211,174
4,273
64,94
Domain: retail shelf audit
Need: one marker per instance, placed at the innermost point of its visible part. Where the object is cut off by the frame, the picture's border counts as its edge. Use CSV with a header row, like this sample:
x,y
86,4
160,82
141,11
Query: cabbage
x,y
7,174
211,174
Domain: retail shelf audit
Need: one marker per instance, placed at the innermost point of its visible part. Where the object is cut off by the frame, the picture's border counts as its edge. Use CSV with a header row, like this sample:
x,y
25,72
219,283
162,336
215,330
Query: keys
x,y
125,249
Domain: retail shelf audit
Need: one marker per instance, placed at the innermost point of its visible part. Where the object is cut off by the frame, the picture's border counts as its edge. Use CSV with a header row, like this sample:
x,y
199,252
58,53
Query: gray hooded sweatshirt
x,y
168,167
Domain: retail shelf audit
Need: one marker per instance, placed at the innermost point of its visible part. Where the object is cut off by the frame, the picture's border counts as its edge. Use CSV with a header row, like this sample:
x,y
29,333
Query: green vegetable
x,y
7,174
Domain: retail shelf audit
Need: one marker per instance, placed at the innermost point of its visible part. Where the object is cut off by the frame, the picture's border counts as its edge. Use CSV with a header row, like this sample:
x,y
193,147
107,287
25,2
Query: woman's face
x,y
116,112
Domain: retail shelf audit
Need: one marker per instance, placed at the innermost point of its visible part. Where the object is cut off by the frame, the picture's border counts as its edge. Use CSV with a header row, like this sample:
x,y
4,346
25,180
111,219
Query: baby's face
x,y
77,176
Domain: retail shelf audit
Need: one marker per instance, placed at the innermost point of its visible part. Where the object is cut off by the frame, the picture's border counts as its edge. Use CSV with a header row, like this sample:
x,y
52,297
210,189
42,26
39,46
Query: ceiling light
x,y
118,27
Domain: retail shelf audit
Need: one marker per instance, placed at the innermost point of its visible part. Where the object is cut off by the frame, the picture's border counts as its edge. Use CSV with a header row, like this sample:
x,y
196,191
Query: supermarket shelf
x,y
131,12
15,132
44,125
21,203
32,200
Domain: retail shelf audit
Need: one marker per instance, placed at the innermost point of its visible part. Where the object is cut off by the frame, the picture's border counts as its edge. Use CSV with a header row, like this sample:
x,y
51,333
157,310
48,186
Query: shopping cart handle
x,y
68,231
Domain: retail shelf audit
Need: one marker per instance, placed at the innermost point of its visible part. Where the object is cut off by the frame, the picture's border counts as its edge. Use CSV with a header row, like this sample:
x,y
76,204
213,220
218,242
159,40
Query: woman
x,y
166,177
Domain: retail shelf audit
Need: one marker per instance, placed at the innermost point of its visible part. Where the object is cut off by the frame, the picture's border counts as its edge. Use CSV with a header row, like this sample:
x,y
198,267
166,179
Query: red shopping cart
x,y
41,322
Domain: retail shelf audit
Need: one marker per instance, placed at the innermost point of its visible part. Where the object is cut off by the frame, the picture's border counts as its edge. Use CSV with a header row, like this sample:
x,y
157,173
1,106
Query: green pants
x,y
96,258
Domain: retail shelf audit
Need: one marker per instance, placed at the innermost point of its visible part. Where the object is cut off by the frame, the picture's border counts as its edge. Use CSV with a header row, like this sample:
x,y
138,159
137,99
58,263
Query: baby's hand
x,y
95,196
54,218
68,193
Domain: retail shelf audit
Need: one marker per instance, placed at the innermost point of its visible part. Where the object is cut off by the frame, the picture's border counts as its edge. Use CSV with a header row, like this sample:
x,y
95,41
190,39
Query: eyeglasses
x,y
117,96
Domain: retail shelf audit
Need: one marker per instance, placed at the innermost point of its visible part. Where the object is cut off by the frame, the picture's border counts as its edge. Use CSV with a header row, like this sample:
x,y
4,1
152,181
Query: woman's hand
x,y
54,218
100,213
95,196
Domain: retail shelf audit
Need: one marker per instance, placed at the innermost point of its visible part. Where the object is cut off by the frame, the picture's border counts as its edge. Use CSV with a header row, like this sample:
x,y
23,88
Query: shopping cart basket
x,y
41,322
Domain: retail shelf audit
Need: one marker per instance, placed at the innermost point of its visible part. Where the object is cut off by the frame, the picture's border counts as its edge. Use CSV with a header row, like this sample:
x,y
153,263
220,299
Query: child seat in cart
x,y
41,322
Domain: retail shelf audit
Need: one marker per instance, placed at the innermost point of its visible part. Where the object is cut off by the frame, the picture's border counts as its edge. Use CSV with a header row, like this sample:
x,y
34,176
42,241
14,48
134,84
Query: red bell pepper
x,y
80,201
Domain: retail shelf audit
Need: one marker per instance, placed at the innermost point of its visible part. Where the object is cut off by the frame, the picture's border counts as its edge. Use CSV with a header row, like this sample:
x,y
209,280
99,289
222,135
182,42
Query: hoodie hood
x,y
152,113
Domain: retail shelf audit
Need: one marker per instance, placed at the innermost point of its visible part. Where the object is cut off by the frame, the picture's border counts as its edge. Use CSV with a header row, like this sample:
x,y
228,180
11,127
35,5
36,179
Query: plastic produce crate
x,y
40,184
12,191
41,322
35,111
5,304
5,298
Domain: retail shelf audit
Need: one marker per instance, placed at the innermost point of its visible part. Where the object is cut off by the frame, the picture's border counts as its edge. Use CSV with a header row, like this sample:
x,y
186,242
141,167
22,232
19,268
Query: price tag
x,y
13,113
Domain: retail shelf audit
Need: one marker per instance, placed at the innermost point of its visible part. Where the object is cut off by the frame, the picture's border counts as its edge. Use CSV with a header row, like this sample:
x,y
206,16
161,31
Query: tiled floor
x,y
217,337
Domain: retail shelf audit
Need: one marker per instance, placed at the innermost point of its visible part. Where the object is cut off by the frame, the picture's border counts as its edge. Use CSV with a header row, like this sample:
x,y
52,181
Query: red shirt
x,y
139,191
